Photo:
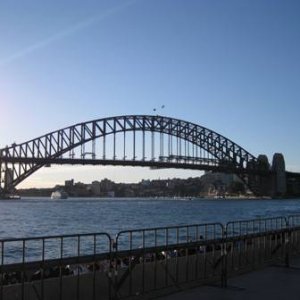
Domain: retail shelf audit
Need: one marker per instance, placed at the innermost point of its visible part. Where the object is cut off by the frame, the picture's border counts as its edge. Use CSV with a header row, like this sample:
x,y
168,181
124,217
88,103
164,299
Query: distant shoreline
x,y
192,198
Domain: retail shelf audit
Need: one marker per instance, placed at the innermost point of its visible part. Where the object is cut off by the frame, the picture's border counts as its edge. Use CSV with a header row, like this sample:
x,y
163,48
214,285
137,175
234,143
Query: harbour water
x,y
31,217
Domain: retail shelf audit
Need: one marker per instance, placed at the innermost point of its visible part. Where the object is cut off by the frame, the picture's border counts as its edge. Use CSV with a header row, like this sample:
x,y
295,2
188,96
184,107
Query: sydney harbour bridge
x,y
142,140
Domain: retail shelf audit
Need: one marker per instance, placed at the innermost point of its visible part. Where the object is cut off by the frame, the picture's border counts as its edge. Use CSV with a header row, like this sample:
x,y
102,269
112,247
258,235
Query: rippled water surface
x,y
29,217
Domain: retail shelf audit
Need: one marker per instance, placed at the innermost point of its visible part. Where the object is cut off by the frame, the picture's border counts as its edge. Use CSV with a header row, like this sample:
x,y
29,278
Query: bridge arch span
x,y
209,150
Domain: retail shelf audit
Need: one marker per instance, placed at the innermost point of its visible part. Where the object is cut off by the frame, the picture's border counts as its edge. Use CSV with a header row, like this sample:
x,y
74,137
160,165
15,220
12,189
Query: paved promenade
x,y
276,283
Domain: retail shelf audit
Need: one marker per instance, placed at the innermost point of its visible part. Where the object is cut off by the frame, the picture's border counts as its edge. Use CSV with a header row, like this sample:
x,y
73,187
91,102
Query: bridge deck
x,y
202,165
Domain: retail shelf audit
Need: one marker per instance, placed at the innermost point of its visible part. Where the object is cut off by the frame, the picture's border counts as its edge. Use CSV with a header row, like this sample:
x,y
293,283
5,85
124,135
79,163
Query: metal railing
x,y
55,267
255,226
137,262
166,236
294,234
155,258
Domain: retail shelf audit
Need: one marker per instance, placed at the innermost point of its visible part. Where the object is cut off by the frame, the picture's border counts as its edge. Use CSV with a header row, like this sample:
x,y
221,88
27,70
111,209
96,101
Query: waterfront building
x,y
69,183
96,188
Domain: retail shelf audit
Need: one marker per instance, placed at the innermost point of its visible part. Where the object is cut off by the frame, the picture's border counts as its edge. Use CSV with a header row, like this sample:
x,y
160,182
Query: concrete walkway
x,y
275,283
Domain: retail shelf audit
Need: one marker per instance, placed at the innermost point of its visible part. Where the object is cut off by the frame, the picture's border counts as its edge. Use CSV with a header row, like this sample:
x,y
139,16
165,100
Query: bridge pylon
x,y
279,181
6,180
260,182
270,180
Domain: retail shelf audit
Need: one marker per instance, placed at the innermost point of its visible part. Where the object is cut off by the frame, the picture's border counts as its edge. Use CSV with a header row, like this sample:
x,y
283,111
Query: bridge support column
x,y
260,184
265,182
279,184
6,179
1,180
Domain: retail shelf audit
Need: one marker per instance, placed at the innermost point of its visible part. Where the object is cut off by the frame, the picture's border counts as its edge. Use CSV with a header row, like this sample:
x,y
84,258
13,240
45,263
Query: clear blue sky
x,y
232,66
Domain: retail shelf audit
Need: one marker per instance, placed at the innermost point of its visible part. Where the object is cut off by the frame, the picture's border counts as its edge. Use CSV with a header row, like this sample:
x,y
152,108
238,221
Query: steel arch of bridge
x,y
19,161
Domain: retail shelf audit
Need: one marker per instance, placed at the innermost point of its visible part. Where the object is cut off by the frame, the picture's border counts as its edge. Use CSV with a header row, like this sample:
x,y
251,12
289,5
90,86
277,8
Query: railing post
x,y
224,259
113,271
287,244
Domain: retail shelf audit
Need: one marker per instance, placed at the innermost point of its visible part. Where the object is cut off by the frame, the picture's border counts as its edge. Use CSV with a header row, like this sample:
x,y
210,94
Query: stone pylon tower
x,y
279,185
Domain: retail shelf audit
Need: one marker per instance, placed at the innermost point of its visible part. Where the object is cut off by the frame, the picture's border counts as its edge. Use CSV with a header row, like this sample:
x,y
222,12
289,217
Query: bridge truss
x,y
132,140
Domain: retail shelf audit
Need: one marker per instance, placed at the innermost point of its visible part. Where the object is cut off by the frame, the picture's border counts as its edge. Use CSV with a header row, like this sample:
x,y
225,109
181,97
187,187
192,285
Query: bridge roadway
x,y
165,163
275,282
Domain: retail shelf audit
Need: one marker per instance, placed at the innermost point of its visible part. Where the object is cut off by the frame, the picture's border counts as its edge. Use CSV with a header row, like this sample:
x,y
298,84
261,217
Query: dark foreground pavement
x,y
275,283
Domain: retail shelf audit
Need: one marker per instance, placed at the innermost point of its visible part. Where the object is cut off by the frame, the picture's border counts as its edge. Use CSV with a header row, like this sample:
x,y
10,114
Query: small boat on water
x,y
183,198
10,197
14,197
59,194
